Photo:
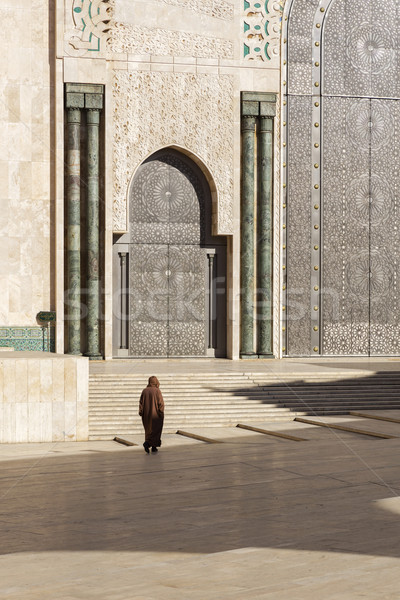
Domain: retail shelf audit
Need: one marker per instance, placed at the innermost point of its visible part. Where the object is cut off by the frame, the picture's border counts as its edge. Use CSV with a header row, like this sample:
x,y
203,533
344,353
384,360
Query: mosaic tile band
x,y
33,339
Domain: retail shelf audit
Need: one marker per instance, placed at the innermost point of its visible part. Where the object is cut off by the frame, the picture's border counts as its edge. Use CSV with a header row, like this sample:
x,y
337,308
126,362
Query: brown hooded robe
x,y
151,409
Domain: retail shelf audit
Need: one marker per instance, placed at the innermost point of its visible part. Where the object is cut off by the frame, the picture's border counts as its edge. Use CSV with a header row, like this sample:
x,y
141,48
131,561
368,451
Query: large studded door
x,y
168,270
341,178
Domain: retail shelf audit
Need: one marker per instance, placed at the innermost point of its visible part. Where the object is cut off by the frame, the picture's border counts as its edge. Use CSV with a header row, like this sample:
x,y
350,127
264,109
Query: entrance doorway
x,y
175,270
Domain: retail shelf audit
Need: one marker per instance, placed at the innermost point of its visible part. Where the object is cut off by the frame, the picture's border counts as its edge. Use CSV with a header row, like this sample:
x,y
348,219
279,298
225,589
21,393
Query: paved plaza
x,y
253,517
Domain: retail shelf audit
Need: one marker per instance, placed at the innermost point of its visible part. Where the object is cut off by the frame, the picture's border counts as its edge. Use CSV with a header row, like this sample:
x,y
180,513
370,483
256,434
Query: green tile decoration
x,y
33,339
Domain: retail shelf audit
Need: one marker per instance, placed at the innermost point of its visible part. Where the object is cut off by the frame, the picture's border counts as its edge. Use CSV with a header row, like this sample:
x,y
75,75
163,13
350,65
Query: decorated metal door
x,y
341,181
174,265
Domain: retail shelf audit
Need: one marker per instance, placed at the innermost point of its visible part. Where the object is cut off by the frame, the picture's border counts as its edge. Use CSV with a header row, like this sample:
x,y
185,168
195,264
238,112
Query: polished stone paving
x,y
254,517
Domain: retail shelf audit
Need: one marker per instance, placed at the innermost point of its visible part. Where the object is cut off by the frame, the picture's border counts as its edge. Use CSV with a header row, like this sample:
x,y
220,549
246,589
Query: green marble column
x,y
264,239
93,250
247,238
73,293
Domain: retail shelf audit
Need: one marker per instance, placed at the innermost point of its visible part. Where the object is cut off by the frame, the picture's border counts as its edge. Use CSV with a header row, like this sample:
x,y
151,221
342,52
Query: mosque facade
x,y
186,178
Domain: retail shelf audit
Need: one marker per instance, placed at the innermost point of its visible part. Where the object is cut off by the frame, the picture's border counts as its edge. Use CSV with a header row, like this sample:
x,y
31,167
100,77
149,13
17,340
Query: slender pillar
x,y
210,301
124,302
73,293
264,239
247,238
93,296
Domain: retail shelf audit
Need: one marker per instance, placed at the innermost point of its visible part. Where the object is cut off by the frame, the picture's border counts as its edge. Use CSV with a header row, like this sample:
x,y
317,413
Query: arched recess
x,y
341,134
169,270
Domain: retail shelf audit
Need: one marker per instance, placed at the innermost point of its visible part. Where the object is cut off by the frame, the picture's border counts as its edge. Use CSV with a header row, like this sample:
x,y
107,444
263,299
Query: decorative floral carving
x,y
369,274
262,29
369,200
153,110
91,20
212,8
369,129
124,37
370,48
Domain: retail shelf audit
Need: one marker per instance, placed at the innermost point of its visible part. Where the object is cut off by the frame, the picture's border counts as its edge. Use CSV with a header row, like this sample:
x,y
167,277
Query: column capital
x,y
74,115
93,116
266,124
248,123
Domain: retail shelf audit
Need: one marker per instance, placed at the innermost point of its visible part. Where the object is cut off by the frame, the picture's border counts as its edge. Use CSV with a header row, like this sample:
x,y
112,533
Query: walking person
x,y
151,409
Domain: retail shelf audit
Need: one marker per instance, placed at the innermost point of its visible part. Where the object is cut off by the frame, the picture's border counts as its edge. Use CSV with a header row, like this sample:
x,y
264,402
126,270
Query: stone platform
x,y
43,397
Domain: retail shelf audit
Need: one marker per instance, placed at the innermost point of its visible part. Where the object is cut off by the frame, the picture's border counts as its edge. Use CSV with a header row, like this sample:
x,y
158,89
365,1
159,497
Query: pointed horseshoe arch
x,y
175,269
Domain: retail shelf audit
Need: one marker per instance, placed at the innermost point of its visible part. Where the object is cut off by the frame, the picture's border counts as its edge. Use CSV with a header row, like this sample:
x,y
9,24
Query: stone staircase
x,y
224,399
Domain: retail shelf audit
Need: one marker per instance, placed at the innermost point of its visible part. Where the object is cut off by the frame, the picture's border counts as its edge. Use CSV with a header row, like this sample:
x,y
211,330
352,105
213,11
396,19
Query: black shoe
x,y
154,449
146,447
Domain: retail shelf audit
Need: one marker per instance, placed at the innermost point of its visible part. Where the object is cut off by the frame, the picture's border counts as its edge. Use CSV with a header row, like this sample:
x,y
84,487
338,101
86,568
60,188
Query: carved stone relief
x,y
156,110
124,37
213,8
90,22
262,29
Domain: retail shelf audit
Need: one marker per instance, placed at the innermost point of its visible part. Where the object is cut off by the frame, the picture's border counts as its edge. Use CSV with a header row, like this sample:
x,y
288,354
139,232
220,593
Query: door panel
x,y
299,227
345,280
149,300
384,223
187,301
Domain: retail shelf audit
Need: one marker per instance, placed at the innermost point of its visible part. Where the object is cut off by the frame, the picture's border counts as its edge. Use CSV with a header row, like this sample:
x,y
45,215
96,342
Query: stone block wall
x,y
43,397
26,159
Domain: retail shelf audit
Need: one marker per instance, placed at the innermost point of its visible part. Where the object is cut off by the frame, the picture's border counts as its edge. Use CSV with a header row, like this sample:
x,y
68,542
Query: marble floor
x,y
254,517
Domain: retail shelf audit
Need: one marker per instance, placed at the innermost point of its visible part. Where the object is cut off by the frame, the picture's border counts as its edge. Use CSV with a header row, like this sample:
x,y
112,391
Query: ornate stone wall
x,y
152,110
87,23
173,28
143,40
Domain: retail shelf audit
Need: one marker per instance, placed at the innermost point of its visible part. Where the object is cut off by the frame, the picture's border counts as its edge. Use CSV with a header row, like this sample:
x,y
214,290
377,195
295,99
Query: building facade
x,y
209,179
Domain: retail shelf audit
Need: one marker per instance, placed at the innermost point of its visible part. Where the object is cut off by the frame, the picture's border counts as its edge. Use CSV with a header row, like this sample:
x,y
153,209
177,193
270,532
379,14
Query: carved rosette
x,y
262,29
90,21
154,110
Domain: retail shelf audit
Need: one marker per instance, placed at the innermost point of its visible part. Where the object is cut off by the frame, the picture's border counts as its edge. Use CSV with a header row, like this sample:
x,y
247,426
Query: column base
x,y
123,352
266,355
93,356
248,355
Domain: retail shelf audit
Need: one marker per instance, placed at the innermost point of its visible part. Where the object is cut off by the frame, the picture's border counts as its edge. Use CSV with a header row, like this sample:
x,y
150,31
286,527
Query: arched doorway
x,y
175,270
341,178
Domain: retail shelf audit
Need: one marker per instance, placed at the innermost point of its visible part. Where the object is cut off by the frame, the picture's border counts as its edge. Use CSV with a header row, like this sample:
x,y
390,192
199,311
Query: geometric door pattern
x,y
342,178
361,219
167,274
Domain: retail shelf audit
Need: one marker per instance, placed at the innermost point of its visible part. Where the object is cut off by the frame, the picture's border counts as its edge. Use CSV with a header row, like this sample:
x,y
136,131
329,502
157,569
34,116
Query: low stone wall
x,y
43,397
